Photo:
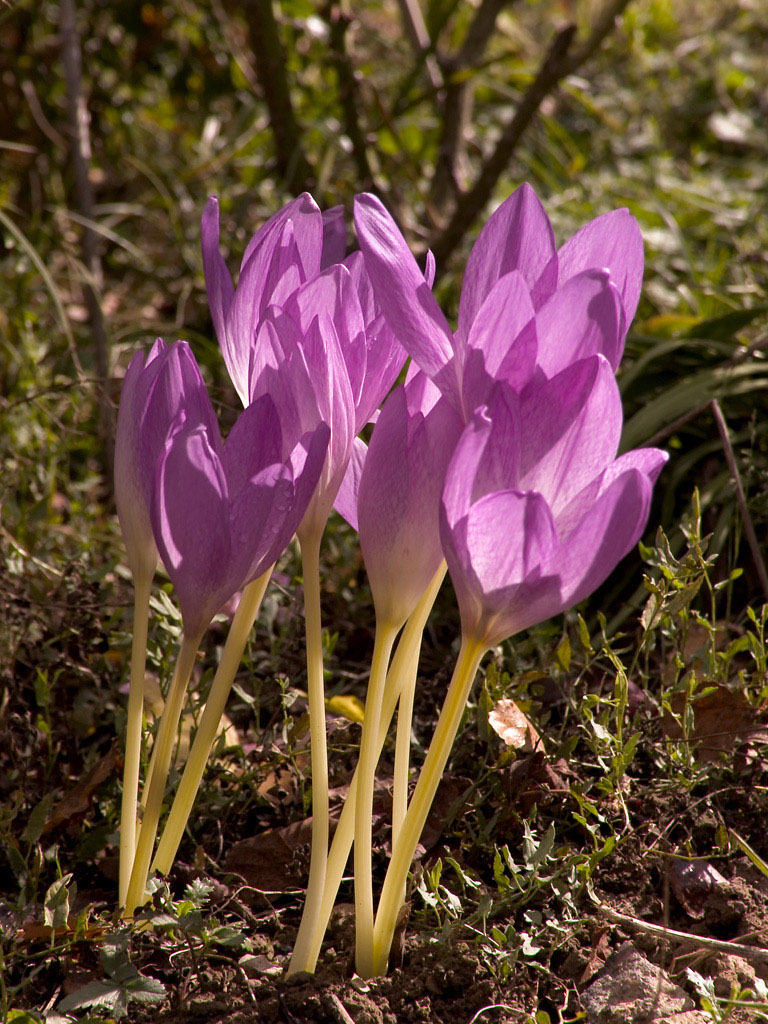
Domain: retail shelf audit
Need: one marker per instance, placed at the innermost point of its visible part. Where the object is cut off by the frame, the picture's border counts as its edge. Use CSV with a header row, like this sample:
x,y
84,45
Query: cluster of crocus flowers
x,y
495,459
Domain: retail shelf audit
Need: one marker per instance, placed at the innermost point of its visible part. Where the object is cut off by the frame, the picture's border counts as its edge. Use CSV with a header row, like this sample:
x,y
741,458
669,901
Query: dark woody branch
x,y
561,60
271,65
339,22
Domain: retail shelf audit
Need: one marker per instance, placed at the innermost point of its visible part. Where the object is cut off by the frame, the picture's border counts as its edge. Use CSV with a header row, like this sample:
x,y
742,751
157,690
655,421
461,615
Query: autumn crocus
x,y
397,506
154,390
221,514
536,512
526,307
291,249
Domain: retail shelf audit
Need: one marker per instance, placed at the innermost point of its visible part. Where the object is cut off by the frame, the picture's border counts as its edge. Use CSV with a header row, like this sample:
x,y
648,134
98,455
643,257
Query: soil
x,y
680,866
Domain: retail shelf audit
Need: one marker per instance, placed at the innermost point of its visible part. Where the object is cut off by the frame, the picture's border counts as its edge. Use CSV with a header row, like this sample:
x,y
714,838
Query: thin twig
x,y
418,33
339,21
39,117
79,144
458,102
271,70
675,425
472,202
753,953
749,529
559,62
338,1009
28,554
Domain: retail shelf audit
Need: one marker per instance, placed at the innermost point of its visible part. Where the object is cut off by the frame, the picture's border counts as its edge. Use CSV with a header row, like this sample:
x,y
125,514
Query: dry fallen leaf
x,y
723,720
78,799
508,721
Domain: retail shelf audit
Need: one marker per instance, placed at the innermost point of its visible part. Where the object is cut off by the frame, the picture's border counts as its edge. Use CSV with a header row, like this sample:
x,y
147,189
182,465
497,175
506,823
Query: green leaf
x,y
105,994
15,859
146,990
563,654
57,901
723,328
36,822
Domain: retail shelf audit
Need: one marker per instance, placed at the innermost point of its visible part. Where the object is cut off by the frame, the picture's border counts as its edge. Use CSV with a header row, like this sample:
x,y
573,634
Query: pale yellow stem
x,y
142,589
366,766
166,737
402,754
310,559
402,853
239,631
406,659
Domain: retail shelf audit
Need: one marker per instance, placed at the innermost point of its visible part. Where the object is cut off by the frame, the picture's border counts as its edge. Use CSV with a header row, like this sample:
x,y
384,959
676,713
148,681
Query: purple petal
x,y
267,353
191,525
307,461
132,503
346,498
333,395
218,282
570,430
404,296
510,535
271,274
384,361
421,394
305,217
583,317
498,469
517,236
502,342
178,389
648,461
614,243
334,237
608,531
384,353
504,602
254,442
257,515
332,295
463,467
398,502
430,268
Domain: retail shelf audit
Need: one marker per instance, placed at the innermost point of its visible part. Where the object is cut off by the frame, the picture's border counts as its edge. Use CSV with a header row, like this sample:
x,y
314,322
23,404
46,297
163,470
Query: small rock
x,y
731,971
259,965
630,990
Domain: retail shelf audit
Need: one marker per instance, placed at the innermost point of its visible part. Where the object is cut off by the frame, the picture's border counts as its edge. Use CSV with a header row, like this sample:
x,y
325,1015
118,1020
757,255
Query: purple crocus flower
x,y
526,308
292,249
299,359
222,513
154,391
132,508
399,495
283,254
537,510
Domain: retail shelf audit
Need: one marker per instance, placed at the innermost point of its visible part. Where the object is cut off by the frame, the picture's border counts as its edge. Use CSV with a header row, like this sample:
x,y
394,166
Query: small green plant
x,y
123,985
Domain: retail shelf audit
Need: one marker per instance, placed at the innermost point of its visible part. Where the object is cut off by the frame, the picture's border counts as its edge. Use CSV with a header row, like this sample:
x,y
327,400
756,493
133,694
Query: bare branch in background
x,y
271,71
418,33
559,62
458,103
339,21
80,151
